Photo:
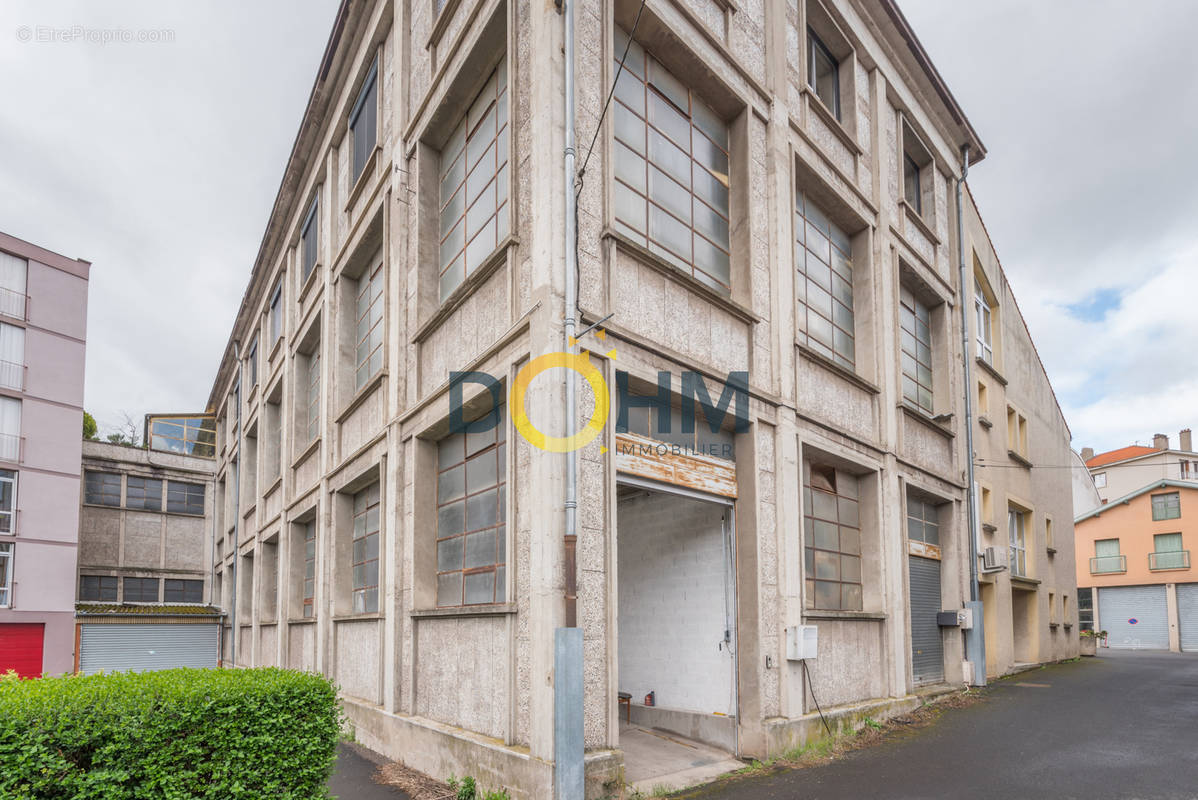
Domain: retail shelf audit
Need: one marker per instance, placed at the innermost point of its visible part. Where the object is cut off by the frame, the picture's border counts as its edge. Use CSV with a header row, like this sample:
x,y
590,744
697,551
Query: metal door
x,y
1187,613
1134,617
121,648
927,644
21,645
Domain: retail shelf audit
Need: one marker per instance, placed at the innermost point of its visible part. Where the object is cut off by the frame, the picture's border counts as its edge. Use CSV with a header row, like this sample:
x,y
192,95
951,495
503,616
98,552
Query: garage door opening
x,y
21,646
677,638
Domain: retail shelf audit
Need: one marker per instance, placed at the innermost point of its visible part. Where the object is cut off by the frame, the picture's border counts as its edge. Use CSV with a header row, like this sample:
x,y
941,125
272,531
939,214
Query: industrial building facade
x,y
771,192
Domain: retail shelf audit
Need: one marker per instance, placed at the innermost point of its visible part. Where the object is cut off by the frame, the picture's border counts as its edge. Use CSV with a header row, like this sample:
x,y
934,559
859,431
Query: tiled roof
x,y
138,610
1122,454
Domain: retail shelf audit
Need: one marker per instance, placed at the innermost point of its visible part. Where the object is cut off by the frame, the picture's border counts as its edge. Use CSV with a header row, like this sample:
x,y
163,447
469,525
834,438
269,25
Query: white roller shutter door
x,y
120,648
1134,617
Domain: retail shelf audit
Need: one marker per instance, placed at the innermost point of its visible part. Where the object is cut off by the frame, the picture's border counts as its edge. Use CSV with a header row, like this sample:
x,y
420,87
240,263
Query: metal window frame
x,y
368,85
803,204
276,313
308,597
500,487
365,285
928,508
1166,507
915,306
96,498
809,541
7,553
355,588
143,495
816,45
646,125
188,436
100,580
190,493
985,336
185,584
9,514
1017,539
308,248
917,202
141,583
313,394
252,357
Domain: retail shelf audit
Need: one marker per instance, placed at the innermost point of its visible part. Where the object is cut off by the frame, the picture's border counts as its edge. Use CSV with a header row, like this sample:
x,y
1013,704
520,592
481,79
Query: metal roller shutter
x,y
1118,606
21,645
927,643
1187,613
120,648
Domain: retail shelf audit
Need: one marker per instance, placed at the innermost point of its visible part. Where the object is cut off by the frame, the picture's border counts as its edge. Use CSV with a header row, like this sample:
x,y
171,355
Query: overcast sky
x,y
159,162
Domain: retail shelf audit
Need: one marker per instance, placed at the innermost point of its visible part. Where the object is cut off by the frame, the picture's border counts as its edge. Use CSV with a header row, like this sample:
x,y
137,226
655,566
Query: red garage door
x,y
21,648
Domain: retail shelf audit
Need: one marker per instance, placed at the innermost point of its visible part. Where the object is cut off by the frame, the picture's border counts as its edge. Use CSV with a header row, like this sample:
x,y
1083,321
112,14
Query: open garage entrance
x,y
677,632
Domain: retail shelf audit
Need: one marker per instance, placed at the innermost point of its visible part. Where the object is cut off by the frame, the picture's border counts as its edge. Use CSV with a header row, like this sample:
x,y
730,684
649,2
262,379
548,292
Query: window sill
x,y
361,395
844,372
357,617
989,527
308,282
1068,626
443,19
828,118
466,288
1168,569
312,447
249,511
1052,551
274,348
870,616
645,256
985,421
928,421
916,219
990,368
364,179
492,610
301,620
1052,626
1029,583
274,484
1019,459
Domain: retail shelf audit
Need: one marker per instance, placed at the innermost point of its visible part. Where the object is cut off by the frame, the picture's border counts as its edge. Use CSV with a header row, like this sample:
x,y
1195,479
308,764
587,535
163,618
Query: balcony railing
x,y
1169,559
12,447
12,375
13,304
1100,564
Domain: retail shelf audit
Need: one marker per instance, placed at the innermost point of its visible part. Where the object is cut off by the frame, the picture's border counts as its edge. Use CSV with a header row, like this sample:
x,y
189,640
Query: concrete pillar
x,y
1171,610
1160,441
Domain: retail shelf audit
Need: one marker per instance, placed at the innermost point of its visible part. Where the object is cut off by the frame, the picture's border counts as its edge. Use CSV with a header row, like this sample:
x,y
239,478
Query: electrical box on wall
x,y
802,642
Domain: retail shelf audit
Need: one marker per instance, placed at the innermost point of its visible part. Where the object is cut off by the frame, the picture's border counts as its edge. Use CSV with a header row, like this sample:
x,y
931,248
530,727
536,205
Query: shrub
x,y
174,734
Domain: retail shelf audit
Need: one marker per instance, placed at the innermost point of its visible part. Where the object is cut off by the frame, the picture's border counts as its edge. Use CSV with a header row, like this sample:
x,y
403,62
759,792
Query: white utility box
x,y
965,619
802,642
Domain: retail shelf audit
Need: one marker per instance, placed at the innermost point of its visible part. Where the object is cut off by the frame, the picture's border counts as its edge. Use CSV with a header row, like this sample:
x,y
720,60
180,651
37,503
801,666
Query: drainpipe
x,y
568,753
975,640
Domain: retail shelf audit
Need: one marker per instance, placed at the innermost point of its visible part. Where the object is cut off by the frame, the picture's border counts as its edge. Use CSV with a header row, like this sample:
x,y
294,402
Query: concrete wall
x,y
1124,477
45,533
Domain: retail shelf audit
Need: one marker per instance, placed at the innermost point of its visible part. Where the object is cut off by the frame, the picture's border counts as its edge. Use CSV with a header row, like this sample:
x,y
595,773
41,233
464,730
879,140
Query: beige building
x,y
1119,472
772,192
144,596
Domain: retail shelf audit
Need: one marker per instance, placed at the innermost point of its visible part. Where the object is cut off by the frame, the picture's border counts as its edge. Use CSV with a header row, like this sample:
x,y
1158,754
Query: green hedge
x,y
183,733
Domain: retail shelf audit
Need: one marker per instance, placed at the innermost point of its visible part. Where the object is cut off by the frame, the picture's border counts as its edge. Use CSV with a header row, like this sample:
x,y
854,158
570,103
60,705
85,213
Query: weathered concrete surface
x,y
1116,726
353,777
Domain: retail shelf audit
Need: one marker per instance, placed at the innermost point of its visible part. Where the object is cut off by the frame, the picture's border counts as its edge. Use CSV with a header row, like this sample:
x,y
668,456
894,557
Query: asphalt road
x,y
1123,725
352,778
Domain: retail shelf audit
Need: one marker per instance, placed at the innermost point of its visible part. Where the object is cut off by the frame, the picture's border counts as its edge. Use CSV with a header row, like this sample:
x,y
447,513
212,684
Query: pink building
x,y
43,326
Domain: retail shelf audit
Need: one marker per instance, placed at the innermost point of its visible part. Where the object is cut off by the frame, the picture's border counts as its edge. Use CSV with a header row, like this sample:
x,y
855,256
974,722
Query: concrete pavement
x,y
1123,725
352,778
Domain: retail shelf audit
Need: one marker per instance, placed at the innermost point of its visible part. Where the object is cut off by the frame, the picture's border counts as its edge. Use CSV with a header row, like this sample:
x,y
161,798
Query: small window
x,y
141,590
823,73
1085,608
194,436
98,588
309,579
366,551
143,493
1107,557
1166,506
182,591
473,210
1049,540
8,500
363,122
276,314
1100,480
185,498
5,574
102,488
1167,552
369,327
310,241
831,539
923,521
312,395
915,323
1017,533
912,184
471,511
252,356
983,319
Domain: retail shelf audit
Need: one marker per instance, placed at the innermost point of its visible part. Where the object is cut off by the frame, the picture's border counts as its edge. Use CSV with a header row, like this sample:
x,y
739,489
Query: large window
x,y
831,539
252,357
911,184
981,307
312,395
102,488
5,574
824,284
185,498
369,327
12,356
308,595
13,275
473,209
175,590
310,241
366,551
143,493
916,321
363,122
1166,506
471,509
141,590
823,73
10,429
276,314
98,588
923,521
1017,534
671,167
1167,552
8,500
193,436
1085,608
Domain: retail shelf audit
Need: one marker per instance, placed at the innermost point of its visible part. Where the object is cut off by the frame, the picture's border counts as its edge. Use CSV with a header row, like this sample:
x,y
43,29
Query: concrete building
x,y
1134,572
43,331
1119,472
772,192
145,557
1023,475
1085,493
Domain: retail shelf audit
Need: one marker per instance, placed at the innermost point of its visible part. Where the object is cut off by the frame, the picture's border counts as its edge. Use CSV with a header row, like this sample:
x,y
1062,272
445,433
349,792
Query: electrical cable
x,y
810,688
